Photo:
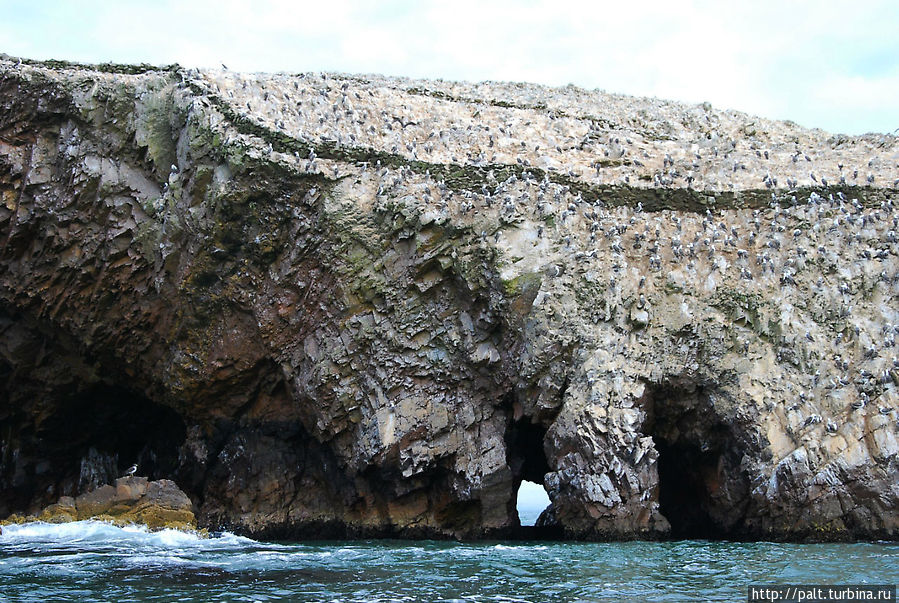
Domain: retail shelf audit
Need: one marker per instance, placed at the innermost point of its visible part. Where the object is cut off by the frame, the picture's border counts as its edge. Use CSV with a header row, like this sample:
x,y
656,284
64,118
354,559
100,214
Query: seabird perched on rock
x,y
131,470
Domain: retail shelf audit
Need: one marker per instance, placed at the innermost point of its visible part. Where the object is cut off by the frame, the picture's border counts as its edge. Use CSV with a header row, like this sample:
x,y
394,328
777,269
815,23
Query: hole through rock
x,y
527,459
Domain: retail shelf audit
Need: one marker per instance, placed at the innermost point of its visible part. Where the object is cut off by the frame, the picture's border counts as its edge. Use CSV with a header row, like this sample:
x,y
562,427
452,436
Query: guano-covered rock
x,y
328,304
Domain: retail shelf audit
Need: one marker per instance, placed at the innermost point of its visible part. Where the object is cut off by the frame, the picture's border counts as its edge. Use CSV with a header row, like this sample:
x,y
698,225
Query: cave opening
x,y
94,436
531,501
527,460
684,495
702,490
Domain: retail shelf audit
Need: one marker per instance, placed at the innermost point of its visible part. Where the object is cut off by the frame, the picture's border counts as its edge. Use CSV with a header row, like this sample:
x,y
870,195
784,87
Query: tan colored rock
x,y
131,488
60,512
163,506
133,500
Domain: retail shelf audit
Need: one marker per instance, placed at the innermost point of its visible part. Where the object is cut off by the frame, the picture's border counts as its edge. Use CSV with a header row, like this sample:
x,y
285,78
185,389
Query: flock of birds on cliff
x,y
796,250
595,137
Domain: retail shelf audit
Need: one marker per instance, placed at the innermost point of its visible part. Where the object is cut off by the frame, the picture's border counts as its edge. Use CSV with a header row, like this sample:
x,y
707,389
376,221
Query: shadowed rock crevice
x,y
702,489
273,483
116,421
89,440
527,458
526,455
68,424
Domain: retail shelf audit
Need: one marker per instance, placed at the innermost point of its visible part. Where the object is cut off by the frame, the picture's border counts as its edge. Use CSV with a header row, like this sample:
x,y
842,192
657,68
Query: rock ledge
x,y
133,500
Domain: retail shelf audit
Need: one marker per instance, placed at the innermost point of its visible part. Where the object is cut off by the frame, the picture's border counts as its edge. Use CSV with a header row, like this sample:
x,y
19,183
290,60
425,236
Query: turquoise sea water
x,y
528,517
91,561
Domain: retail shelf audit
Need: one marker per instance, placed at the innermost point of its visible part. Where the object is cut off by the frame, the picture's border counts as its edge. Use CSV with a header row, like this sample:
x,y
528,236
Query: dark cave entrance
x,y
527,460
685,473
93,437
703,492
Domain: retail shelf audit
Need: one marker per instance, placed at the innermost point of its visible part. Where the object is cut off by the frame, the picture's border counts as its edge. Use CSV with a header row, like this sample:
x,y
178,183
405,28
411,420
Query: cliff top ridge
x,y
474,134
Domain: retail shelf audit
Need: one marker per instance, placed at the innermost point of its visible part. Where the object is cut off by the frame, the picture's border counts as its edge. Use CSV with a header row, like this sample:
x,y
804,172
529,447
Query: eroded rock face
x,y
132,500
332,305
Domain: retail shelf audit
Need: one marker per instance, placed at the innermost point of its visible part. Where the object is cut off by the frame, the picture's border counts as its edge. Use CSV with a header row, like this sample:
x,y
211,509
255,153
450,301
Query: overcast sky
x,y
821,63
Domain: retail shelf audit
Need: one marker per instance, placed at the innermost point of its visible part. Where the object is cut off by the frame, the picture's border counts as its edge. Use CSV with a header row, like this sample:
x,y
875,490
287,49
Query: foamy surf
x,y
90,531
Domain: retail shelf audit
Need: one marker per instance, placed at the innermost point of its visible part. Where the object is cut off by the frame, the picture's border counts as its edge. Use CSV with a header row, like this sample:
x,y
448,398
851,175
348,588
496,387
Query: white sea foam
x,y
76,531
99,533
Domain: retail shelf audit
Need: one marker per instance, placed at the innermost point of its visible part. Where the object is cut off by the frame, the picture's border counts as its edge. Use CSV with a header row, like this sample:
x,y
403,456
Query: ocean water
x,y
92,561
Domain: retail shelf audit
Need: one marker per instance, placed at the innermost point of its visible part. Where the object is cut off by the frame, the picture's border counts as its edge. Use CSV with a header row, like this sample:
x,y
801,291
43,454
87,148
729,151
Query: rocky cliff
x,y
330,304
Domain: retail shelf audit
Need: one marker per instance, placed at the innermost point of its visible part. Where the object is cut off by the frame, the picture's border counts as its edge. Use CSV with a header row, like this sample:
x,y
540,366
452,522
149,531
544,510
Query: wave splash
x,y
91,532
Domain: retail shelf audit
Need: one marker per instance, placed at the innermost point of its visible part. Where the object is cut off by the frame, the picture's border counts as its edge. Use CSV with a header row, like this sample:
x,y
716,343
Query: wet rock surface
x,y
132,500
333,305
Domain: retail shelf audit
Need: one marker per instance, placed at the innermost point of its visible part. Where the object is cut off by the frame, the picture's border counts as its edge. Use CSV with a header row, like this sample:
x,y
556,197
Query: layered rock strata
x,y
329,304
